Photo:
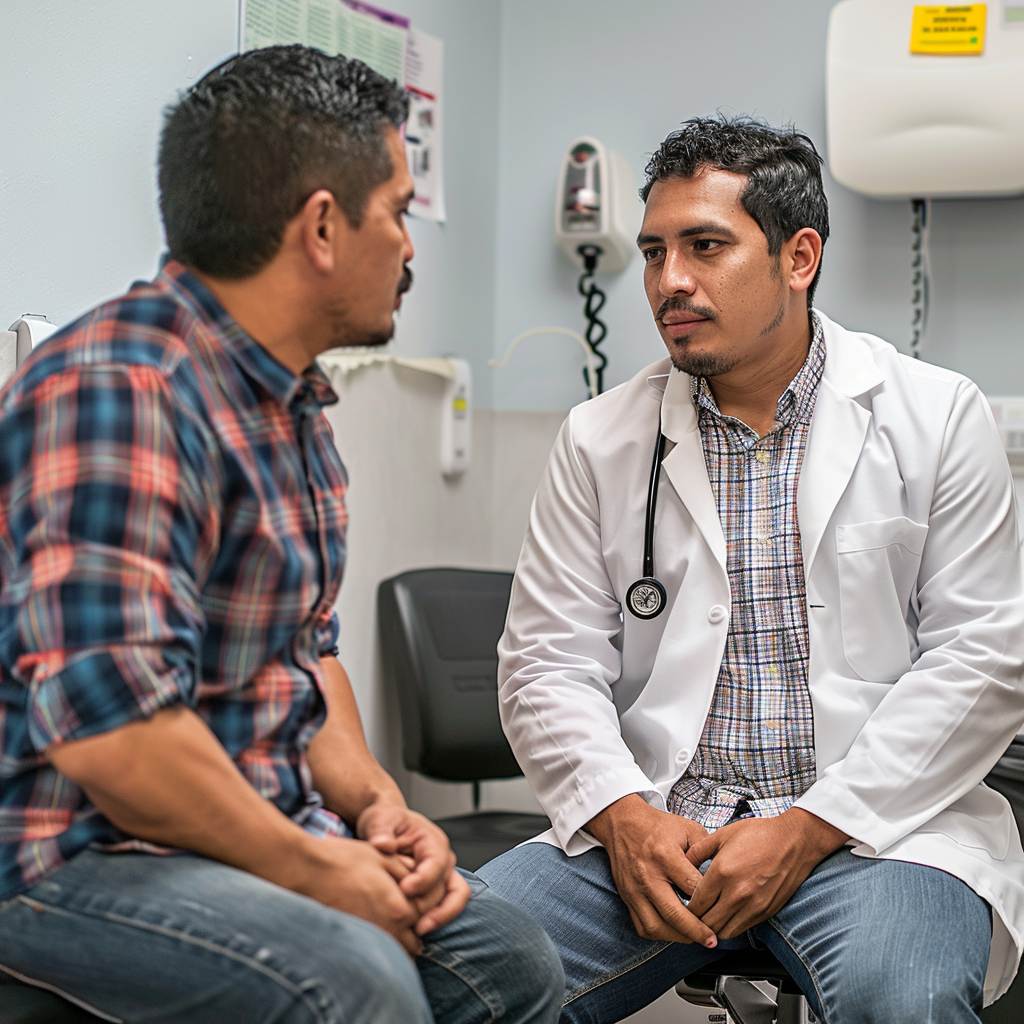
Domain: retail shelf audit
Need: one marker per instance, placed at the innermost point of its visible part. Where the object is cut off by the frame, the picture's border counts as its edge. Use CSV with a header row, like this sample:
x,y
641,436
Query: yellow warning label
x,y
949,30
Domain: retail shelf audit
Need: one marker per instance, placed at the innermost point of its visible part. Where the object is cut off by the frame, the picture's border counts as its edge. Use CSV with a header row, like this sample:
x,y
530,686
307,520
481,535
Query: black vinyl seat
x,y
439,630
1008,778
25,1004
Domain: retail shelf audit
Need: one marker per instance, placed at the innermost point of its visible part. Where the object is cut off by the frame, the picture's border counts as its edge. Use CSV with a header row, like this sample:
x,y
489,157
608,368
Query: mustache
x,y
679,304
406,282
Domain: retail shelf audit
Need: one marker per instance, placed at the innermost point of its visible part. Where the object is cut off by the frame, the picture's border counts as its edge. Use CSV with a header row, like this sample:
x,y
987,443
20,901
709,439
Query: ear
x,y
804,252
317,224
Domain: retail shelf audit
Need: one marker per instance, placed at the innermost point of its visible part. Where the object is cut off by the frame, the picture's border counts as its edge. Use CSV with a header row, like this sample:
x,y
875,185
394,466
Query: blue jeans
x,y
866,940
184,939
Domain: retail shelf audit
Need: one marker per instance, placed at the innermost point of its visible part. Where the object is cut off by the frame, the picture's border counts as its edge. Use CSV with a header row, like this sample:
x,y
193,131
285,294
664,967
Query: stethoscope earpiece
x,y
646,598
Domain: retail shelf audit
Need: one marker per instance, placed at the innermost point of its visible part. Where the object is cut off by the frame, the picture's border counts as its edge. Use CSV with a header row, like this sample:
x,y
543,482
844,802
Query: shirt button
x,y
682,758
716,613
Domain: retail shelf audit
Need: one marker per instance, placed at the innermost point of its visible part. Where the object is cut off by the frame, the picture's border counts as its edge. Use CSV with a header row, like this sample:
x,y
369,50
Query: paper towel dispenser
x,y
913,110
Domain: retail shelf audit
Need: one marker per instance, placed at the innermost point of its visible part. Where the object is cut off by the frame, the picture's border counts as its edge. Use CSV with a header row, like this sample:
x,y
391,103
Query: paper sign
x,y
953,31
355,29
424,64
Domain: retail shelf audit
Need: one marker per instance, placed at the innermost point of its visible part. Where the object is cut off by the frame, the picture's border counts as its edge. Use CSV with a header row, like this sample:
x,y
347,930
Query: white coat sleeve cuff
x,y
831,801
593,794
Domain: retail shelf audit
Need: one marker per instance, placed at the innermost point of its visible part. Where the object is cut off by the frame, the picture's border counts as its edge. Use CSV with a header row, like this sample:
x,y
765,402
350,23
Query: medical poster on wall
x,y
387,43
371,34
424,63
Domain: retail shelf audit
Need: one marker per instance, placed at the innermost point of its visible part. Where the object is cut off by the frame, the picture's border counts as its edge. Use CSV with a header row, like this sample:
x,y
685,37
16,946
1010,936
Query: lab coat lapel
x,y
838,428
684,465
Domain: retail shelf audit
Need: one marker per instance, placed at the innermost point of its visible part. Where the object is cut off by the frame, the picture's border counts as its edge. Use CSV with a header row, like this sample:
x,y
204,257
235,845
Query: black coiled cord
x,y
597,329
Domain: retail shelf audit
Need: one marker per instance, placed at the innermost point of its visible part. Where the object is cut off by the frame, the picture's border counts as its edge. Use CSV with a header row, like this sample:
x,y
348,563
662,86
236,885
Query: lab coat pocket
x,y
878,564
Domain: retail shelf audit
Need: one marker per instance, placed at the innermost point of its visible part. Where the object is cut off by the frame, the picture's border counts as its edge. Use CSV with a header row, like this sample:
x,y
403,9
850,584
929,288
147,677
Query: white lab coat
x,y
915,609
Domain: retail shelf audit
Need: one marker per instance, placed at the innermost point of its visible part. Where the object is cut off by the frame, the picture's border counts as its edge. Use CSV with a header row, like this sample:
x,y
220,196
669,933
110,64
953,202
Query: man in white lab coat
x,y
837,662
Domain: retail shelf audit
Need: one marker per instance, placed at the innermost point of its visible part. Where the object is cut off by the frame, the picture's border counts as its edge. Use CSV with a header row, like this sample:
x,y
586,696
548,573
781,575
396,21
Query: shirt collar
x,y
796,402
290,390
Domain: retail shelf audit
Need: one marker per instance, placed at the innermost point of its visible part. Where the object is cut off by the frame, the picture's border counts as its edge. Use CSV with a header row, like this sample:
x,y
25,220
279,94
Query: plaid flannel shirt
x,y
756,754
172,531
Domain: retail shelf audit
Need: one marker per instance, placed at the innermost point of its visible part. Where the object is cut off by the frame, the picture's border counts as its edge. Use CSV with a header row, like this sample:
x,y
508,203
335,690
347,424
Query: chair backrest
x,y
439,631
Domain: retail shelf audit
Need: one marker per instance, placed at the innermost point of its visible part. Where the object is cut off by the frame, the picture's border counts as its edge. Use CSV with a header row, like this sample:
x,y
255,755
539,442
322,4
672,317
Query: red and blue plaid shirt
x,y
172,531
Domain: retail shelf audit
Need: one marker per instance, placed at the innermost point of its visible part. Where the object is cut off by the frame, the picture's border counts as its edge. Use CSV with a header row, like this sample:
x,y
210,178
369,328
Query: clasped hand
x,y
756,866
399,874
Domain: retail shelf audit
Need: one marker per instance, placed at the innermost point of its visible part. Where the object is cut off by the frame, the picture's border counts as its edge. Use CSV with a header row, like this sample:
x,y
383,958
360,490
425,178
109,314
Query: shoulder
x,y
867,367
616,416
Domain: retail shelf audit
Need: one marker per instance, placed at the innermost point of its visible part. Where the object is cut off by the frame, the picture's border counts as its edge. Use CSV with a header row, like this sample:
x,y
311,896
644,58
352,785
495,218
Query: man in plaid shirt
x,y
191,825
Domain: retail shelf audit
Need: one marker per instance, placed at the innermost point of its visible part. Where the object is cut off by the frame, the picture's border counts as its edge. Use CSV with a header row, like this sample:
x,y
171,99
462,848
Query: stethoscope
x,y
646,598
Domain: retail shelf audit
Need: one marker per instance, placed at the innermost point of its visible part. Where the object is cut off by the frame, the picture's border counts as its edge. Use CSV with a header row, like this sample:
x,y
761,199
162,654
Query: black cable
x,y
921,274
597,329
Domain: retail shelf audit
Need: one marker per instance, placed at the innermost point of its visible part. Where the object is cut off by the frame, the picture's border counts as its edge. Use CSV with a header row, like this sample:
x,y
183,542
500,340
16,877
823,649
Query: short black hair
x,y
784,192
244,147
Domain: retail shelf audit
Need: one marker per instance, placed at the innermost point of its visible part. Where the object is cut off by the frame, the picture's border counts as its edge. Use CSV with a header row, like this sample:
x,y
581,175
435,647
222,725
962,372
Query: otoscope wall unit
x,y
597,216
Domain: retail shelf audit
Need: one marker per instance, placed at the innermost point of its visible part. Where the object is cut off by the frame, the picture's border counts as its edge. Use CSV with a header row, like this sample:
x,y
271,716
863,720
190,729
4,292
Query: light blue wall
x,y
627,74
82,87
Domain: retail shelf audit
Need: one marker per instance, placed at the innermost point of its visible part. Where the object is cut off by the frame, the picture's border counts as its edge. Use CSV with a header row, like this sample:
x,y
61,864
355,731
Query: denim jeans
x,y
184,939
866,940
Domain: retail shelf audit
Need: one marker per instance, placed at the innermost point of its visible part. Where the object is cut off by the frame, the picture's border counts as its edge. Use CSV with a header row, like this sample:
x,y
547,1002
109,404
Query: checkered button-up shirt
x,y
172,531
756,755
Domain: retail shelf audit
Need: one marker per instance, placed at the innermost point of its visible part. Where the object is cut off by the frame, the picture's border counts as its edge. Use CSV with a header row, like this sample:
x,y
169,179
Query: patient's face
x,y
717,296
371,261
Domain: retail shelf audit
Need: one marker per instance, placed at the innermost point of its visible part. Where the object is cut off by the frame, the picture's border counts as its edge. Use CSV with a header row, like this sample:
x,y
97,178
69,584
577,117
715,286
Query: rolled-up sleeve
x,y
105,530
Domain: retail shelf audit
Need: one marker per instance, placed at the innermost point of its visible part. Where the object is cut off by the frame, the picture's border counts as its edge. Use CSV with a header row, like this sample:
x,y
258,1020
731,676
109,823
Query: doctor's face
x,y
717,295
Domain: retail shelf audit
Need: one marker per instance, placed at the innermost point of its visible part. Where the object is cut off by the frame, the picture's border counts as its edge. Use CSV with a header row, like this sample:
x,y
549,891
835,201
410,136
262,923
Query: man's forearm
x,y
168,780
344,771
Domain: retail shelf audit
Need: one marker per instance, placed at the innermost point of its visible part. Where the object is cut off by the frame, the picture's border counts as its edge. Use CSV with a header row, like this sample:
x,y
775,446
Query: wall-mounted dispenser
x,y
925,100
456,419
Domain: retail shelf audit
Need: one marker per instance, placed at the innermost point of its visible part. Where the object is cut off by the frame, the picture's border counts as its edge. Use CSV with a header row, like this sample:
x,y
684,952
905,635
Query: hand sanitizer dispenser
x,y
456,420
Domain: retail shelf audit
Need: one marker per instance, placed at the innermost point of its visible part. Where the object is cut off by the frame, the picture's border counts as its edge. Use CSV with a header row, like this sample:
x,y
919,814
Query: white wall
x,y
628,74
404,515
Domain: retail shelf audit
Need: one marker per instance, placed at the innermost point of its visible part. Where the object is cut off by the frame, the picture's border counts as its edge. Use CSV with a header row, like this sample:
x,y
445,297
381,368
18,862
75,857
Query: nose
x,y
407,247
676,276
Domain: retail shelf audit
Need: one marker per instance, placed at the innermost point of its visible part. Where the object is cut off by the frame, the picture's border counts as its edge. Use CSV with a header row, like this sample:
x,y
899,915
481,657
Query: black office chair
x,y
1008,778
439,631
728,983
24,1004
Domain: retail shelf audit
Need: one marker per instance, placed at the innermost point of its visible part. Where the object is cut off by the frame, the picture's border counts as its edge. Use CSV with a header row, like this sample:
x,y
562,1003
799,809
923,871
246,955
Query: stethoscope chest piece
x,y
646,598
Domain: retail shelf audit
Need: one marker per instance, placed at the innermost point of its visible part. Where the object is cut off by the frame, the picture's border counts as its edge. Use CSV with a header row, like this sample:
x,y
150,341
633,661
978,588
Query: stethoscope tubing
x,y
652,504
646,598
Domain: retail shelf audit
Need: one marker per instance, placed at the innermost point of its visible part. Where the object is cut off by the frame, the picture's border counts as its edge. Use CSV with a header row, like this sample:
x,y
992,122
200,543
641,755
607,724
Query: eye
x,y
706,245
651,254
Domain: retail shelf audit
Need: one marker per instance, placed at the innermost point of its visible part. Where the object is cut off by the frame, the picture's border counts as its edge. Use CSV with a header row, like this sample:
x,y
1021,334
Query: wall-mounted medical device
x,y
926,100
597,205
597,216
